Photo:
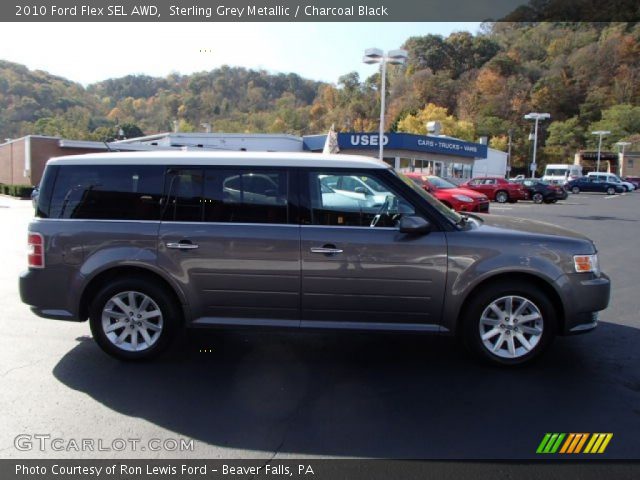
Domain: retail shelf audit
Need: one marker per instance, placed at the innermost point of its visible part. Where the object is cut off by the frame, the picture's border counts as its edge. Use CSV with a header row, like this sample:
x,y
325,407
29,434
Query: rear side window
x,y
114,192
227,196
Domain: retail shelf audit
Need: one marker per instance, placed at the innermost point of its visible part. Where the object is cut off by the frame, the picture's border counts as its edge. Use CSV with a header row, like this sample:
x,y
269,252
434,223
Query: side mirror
x,y
414,225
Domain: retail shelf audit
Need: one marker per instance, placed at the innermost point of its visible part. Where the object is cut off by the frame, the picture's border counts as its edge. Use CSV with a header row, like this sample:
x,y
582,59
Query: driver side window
x,y
335,206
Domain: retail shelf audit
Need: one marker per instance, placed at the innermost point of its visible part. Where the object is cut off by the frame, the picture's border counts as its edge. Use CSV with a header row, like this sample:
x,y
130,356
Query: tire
x,y
152,336
518,343
502,196
537,198
611,191
575,190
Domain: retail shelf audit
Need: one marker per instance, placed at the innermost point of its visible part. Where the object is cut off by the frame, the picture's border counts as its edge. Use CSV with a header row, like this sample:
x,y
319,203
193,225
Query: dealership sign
x,y
402,141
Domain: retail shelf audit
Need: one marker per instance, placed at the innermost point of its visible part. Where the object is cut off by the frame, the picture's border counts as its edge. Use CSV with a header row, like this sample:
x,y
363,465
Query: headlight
x,y
586,264
463,198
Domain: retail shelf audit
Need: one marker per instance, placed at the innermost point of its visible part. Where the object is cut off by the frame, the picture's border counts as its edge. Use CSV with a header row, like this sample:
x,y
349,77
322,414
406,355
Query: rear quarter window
x,y
113,192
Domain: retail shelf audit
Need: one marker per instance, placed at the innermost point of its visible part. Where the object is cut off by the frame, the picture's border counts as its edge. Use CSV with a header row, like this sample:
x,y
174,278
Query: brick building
x,y
22,160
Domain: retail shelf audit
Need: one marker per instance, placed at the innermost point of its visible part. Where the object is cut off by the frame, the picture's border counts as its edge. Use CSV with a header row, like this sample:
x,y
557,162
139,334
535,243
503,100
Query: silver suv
x,y
143,244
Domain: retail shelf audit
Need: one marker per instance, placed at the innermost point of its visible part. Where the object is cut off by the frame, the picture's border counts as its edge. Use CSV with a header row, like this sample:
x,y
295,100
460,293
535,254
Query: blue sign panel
x,y
401,141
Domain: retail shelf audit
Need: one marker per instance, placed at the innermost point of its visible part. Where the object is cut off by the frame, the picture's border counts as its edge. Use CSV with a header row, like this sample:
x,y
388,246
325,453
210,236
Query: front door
x,y
228,240
358,270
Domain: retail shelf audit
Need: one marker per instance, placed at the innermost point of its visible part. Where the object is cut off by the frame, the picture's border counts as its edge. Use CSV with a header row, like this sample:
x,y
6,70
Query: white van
x,y
561,173
611,178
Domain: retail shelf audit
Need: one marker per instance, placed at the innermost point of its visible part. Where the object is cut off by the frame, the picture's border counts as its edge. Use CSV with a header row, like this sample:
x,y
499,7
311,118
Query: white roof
x,y
270,159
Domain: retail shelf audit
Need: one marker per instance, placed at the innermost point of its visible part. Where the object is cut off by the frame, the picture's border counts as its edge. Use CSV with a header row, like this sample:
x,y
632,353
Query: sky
x,y
90,52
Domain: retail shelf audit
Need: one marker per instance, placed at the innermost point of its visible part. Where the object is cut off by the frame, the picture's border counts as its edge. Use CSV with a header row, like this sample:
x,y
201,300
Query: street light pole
x,y
535,116
600,133
383,69
395,57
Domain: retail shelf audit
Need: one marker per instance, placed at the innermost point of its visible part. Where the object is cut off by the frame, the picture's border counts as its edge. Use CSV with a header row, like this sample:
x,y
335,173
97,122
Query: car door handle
x,y
182,245
327,250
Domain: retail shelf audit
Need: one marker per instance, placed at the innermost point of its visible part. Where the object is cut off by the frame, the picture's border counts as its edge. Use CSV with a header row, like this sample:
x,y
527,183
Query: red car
x,y
497,188
460,199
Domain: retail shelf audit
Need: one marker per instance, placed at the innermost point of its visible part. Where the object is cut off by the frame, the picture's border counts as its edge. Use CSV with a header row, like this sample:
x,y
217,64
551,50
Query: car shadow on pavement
x,y
371,395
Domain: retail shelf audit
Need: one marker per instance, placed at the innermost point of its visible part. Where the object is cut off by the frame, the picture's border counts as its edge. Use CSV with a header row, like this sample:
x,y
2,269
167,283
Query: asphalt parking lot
x,y
283,395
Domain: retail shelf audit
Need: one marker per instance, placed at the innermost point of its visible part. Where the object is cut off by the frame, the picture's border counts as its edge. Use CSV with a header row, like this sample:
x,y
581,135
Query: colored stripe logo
x,y
574,443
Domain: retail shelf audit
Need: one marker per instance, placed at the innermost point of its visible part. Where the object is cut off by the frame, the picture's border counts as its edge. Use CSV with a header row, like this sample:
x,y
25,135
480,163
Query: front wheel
x,y
509,323
133,319
537,198
611,191
502,196
575,190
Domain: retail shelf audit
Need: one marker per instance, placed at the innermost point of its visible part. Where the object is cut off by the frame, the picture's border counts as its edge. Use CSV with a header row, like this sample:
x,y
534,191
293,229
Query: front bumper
x,y
584,297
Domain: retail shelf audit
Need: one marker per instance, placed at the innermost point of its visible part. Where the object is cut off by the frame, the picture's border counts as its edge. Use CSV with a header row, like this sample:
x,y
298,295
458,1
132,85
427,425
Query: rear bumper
x,y
584,298
45,296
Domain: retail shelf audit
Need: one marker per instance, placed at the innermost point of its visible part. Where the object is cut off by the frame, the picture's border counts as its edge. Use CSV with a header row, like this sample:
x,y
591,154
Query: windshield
x,y
556,172
430,199
440,182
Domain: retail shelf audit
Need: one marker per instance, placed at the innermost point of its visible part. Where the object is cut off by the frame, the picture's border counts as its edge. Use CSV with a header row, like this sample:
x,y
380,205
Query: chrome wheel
x,y
132,321
511,327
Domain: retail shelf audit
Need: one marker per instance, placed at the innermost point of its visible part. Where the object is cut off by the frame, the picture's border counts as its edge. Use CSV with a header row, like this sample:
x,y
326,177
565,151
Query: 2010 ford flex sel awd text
x,y
143,244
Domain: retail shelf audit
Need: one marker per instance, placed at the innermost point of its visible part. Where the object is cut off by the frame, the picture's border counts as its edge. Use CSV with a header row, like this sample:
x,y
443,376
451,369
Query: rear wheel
x,y
502,196
611,191
575,190
537,198
509,323
133,319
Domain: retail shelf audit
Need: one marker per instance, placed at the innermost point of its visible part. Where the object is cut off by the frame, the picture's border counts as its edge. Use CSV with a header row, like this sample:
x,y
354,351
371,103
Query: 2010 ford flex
x,y
143,244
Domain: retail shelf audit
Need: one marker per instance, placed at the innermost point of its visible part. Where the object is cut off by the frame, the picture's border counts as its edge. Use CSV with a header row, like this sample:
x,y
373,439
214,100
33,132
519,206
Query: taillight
x,y
36,250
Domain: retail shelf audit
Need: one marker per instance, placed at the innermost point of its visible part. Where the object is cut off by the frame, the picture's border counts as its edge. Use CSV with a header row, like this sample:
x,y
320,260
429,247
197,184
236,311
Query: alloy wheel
x,y
511,327
132,321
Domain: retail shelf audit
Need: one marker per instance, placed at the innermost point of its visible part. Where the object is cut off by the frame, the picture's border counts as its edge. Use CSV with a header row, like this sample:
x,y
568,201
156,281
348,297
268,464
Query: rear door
x,y
229,237
358,270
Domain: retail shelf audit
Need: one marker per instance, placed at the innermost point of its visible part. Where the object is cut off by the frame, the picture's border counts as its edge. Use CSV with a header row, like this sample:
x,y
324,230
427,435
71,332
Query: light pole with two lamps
x,y
394,57
535,116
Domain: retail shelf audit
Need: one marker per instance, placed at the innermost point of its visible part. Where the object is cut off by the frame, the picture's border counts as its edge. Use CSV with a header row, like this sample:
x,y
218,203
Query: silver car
x,y
144,244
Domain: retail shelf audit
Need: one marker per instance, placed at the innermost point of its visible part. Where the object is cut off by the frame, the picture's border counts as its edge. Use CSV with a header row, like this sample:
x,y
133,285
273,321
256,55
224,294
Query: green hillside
x,y
587,76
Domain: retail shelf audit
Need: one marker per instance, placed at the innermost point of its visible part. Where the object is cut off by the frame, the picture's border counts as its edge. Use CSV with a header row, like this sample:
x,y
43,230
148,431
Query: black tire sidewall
x,y
611,191
575,190
537,198
481,299
160,295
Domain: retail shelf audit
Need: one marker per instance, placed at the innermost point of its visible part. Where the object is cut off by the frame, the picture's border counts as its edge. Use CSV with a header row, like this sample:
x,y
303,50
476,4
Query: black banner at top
x,y
318,10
